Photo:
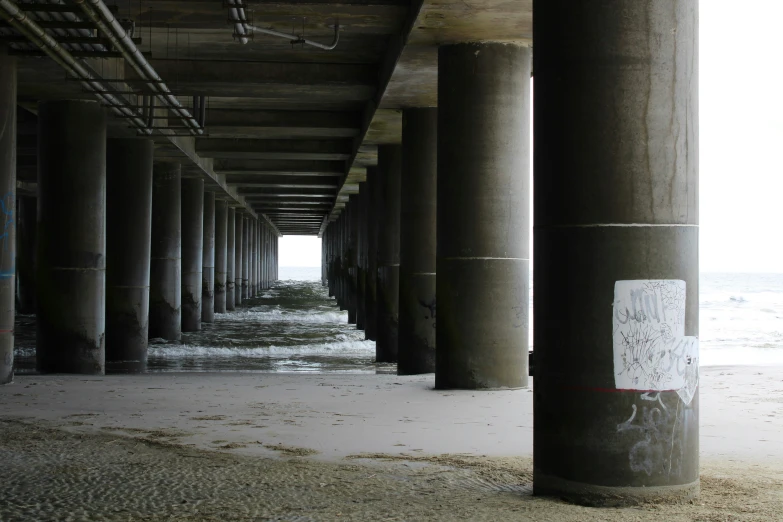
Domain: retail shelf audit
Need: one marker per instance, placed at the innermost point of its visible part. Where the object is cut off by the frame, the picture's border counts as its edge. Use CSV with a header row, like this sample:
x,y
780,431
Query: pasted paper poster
x,y
651,350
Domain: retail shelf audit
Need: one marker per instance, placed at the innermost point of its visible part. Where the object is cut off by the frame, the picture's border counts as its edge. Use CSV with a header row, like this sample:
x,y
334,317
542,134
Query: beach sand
x,y
241,446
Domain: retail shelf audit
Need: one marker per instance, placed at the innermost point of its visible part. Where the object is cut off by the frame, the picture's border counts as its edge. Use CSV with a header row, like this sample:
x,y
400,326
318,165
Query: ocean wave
x,y
337,348
289,317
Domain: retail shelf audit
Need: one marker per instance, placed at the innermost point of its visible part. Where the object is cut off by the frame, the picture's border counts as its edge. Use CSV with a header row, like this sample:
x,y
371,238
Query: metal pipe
x,y
25,25
240,22
299,38
110,27
70,17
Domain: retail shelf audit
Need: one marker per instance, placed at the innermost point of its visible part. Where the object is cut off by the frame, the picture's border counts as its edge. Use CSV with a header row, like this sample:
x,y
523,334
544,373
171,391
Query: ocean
x,y
296,327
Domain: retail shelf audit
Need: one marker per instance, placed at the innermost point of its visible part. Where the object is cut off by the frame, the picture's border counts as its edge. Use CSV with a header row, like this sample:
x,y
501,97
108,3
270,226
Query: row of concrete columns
x,y
616,184
125,249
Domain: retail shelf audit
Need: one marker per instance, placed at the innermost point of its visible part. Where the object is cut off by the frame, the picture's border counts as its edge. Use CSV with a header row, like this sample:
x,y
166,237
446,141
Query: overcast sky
x,y
741,140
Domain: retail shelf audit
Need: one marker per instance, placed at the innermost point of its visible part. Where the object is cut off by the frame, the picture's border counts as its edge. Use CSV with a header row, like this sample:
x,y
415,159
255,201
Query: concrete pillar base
x,y
602,496
486,334
417,324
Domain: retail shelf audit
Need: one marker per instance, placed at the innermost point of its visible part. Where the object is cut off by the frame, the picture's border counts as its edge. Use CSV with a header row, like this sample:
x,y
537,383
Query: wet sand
x,y
238,446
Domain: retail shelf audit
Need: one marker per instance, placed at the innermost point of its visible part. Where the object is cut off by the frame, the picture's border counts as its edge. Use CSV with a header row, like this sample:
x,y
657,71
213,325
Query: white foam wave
x,y
366,348
289,317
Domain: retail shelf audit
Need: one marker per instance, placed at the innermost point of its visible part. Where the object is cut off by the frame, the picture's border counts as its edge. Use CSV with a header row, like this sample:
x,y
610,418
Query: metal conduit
x,y
25,25
299,38
237,15
70,17
110,27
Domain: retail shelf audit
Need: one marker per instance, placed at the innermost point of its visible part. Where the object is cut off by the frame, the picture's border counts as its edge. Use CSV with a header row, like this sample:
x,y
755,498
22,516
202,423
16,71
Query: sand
x,y
330,447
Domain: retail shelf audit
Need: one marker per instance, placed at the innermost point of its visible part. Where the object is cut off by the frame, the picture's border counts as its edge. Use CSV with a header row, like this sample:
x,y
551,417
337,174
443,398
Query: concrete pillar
x,y
128,247
26,227
418,226
257,263
71,253
192,252
256,257
8,188
208,261
221,270
166,253
352,217
251,253
265,265
361,257
251,277
371,296
616,216
338,260
388,282
324,254
483,217
342,293
246,246
230,258
328,241
239,238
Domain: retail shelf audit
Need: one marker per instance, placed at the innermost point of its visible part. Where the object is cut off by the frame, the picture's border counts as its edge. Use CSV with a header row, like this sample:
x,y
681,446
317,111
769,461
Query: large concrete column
x,y
264,265
128,243
616,246
239,238
352,221
342,288
418,226
254,263
251,253
246,246
388,283
251,263
26,231
230,258
361,257
371,293
8,188
221,244
71,254
329,239
324,256
166,253
483,217
208,261
192,252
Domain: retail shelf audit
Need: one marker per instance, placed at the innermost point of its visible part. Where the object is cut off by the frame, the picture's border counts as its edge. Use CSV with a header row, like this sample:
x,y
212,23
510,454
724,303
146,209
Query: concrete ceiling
x,y
290,128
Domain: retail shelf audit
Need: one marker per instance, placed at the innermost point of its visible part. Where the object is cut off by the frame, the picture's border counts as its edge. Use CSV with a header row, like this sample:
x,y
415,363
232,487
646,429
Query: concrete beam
x,y
282,181
258,168
251,193
271,124
274,149
245,188
279,203
263,79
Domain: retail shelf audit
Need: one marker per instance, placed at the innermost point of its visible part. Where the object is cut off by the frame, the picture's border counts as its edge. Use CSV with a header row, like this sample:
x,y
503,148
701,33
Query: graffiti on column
x,y
651,350
653,355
